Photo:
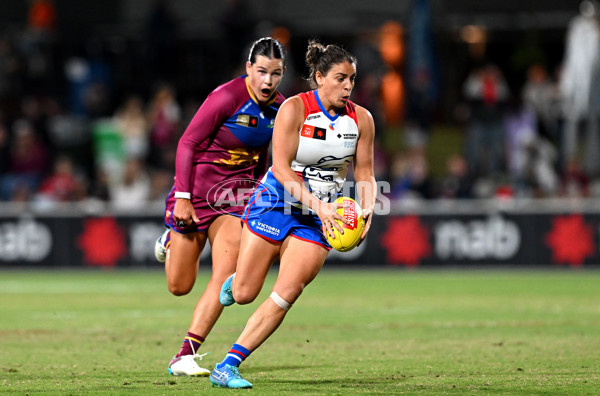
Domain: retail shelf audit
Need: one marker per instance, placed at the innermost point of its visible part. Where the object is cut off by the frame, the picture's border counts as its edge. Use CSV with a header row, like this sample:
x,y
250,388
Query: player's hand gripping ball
x,y
352,212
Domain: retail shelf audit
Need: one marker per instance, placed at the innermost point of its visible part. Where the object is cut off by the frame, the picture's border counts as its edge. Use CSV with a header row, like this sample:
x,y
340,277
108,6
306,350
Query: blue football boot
x,y
228,377
226,295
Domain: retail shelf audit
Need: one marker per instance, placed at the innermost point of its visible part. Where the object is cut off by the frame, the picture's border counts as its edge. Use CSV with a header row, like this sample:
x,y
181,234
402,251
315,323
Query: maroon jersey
x,y
228,139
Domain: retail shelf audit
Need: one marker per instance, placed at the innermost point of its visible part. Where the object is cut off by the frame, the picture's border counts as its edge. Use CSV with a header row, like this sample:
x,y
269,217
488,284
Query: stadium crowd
x,y
87,119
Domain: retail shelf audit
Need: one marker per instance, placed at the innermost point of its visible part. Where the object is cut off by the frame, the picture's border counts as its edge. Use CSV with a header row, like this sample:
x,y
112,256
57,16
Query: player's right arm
x,y
286,138
208,119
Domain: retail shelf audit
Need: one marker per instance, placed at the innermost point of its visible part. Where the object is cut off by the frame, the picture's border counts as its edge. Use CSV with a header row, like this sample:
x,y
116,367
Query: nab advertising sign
x,y
423,240
515,239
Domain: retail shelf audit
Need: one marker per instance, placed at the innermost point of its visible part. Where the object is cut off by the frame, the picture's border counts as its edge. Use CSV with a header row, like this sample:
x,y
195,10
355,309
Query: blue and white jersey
x,y
326,148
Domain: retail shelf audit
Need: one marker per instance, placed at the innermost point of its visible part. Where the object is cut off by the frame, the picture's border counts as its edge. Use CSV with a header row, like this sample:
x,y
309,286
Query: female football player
x,y
222,151
317,135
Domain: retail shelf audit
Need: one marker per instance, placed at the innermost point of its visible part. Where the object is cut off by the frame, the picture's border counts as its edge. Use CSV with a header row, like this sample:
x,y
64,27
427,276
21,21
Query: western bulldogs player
x,y
317,135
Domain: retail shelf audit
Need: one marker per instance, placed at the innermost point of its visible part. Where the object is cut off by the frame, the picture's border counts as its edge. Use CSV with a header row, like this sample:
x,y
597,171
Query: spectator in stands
x,y
28,162
580,89
575,183
531,158
134,188
487,94
131,122
541,94
164,116
411,178
456,182
62,185
521,135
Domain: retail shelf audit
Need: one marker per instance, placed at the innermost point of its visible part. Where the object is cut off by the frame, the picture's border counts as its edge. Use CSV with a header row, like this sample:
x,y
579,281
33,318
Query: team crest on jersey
x,y
310,131
247,120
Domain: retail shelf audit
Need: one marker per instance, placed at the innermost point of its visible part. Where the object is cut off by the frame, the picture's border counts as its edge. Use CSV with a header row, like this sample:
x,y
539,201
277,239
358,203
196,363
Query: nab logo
x,y
247,120
312,132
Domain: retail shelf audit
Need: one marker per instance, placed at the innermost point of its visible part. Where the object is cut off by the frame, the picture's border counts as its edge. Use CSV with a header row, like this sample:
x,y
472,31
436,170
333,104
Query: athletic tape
x,y
280,301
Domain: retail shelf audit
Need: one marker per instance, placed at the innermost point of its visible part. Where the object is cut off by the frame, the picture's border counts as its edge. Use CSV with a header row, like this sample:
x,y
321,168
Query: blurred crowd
x,y
72,130
536,137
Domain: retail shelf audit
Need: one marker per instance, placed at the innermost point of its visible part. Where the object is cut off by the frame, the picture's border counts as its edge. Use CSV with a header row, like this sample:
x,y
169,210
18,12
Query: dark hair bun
x,y
314,52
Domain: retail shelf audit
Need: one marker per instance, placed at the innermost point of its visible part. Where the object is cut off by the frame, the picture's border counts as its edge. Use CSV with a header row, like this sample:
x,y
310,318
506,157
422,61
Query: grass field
x,y
352,332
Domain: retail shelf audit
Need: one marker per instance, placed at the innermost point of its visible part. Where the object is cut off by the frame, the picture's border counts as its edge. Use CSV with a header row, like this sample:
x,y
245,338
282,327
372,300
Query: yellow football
x,y
352,212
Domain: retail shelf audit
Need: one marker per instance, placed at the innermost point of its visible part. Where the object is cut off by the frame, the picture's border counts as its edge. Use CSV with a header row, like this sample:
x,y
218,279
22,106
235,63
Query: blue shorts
x,y
268,216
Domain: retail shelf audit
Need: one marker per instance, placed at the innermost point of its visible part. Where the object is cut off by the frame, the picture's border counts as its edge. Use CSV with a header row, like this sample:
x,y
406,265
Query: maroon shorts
x,y
206,213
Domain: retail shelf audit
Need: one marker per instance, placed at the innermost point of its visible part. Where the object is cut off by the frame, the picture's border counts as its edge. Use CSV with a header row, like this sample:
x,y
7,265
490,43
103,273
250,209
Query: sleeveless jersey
x,y
327,146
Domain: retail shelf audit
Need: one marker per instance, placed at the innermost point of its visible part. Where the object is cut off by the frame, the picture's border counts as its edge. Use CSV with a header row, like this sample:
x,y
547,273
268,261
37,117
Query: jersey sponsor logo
x,y
347,136
307,131
312,132
313,117
247,120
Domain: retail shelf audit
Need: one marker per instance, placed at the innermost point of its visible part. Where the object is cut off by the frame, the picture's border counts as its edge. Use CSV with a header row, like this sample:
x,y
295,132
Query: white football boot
x,y
160,247
187,365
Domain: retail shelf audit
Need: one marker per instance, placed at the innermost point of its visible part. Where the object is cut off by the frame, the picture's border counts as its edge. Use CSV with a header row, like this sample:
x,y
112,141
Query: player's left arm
x,y
364,175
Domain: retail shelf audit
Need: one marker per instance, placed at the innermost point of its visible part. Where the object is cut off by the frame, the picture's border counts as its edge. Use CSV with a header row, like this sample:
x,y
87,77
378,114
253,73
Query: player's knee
x,y
180,288
290,293
244,296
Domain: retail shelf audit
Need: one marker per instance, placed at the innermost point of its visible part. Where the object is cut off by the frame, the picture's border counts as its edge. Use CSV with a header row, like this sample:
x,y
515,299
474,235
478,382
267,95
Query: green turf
x,y
352,332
